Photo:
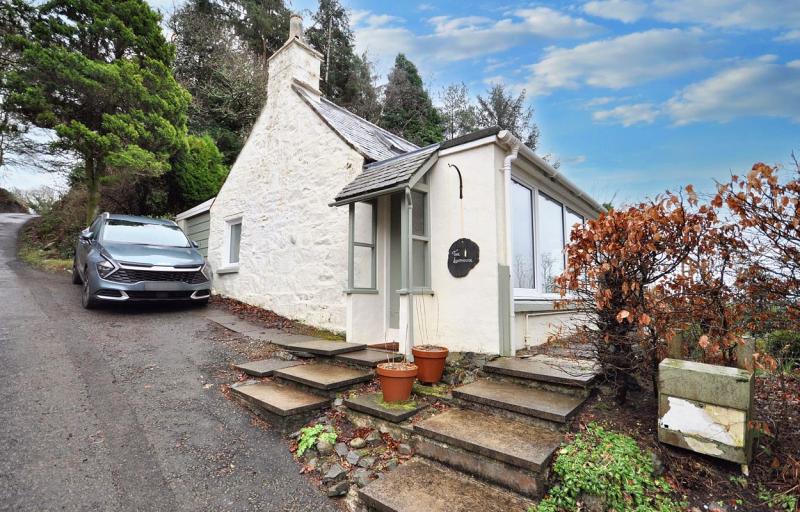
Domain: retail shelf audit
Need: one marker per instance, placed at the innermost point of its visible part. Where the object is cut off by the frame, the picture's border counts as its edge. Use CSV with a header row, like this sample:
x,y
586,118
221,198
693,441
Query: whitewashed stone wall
x,y
293,255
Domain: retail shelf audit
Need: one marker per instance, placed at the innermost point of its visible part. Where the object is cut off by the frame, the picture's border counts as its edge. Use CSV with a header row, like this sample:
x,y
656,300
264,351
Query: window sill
x,y
231,269
361,291
415,291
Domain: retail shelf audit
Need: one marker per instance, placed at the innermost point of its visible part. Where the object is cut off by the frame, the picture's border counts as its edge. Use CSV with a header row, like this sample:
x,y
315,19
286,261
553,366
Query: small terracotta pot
x,y
397,379
430,360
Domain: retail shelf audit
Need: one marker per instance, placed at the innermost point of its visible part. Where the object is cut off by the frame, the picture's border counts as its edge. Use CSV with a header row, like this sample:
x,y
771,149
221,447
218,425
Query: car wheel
x,y
76,277
87,301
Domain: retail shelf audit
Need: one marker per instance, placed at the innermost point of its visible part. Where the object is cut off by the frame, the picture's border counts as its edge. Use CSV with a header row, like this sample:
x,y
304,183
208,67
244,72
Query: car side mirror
x,y
195,244
86,235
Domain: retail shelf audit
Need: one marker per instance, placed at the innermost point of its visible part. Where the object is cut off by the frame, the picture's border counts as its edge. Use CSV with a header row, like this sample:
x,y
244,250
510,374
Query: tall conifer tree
x,y
407,109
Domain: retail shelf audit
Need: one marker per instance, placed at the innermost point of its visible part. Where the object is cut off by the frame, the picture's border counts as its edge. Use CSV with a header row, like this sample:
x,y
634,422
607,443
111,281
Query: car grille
x,y
127,275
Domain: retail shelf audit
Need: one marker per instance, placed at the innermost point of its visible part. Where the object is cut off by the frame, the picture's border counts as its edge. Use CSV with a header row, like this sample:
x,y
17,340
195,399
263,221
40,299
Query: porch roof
x,y
387,175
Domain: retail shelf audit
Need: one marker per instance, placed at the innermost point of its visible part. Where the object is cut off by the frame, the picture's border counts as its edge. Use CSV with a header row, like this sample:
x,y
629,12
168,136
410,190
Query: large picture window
x,y
540,229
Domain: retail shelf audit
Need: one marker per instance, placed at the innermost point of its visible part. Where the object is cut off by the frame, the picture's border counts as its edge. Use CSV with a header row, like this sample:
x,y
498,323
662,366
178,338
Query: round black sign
x,y
462,257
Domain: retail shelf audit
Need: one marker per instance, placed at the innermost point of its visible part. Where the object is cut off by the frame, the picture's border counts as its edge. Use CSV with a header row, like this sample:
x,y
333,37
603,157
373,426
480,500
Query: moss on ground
x,y
435,390
408,405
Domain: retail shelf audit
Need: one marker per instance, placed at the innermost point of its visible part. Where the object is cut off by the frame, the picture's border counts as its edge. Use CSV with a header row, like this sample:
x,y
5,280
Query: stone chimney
x,y
296,27
295,63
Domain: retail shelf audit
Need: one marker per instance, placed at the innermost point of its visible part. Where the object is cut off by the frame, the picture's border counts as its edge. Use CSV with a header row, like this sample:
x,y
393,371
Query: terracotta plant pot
x,y
397,379
430,360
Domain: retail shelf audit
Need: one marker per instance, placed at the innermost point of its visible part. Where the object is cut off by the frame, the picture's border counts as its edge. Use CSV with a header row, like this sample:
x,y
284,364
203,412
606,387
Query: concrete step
x,y
264,367
324,377
542,368
423,486
285,407
521,399
513,442
372,404
319,347
509,453
368,357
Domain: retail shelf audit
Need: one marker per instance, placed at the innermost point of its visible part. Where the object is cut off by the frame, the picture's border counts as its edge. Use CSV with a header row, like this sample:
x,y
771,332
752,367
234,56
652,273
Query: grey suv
x,y
127,258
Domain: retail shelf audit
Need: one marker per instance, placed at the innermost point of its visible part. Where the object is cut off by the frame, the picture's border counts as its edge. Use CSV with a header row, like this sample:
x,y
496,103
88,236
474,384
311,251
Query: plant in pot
x,y
397,379
430,359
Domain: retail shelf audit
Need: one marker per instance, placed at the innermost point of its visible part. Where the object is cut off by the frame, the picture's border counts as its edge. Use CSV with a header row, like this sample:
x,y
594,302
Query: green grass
x,y
41,258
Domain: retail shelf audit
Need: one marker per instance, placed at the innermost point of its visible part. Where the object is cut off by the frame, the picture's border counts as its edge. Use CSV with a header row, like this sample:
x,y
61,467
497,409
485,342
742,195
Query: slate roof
x,y
388,174
370,140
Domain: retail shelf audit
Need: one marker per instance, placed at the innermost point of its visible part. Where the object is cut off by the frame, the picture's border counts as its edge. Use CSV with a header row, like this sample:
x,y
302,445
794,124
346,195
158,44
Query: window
x,y
363,234
143,233
420,241
540,229
233,242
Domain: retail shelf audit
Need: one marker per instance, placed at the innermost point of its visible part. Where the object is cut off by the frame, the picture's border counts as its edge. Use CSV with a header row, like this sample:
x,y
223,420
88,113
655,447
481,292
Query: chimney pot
x,y
296,27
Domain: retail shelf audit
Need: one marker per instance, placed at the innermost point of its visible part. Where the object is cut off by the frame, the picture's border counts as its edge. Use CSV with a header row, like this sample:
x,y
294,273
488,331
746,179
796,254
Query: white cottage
x,y
328,219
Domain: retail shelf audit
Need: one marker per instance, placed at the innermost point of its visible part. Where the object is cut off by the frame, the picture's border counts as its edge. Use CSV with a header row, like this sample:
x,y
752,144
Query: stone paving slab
x,y
369,357
513,442
556,370
319,346
520,399
324,376
264,367
280,400
371,404
422,486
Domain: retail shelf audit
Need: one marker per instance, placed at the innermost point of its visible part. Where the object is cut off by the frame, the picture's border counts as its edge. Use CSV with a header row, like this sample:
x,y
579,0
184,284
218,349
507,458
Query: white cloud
x,y
791,36
760,87
628,115
460,38
619,62
740,14
626,11
729,14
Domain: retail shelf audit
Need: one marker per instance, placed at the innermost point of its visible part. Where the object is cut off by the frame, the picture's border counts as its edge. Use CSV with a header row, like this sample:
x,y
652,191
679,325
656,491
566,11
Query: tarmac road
x,y
120,408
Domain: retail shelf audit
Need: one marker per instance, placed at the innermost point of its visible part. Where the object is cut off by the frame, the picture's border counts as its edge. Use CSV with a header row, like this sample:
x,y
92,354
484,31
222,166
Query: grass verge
x,y
32,253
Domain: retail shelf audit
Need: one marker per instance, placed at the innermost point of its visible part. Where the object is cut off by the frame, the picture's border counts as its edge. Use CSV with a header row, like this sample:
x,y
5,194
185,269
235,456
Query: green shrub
x,y
309,436
198,171
610,467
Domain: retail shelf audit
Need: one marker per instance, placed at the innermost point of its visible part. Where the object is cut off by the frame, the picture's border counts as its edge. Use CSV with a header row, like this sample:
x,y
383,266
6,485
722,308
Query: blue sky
x,y
633,96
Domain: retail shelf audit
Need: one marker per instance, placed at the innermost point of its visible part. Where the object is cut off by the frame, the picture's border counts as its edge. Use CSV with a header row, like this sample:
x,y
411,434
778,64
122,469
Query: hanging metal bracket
x,y
460,182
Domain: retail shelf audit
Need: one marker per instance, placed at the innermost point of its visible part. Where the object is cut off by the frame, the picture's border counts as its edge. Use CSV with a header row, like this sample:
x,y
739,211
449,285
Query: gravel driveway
x,y
121,409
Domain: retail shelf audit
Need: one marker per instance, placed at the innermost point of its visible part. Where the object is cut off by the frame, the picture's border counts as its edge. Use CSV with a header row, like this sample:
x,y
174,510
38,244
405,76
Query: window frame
x,y
352,244
227,265
425,238
537,292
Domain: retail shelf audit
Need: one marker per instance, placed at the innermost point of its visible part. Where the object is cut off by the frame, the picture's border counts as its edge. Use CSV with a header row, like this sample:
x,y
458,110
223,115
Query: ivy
x,y
611,467
310,435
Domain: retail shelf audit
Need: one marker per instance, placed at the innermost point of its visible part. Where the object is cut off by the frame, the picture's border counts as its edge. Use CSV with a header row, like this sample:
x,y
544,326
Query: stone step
x,y
264,367
372,404
520,399
369,357
512,442
424,486
542,368
324,377
319,347
285,407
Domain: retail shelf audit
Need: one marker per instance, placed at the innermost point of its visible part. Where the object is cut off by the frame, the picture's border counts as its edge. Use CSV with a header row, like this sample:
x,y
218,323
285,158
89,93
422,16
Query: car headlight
x,y
105,268
206,271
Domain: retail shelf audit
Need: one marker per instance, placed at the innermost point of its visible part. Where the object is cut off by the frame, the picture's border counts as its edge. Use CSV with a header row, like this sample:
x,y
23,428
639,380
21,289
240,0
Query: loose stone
x,y
357,443
374,438
404,449
366,462
341,449
338,489
362,477
353,458
324,447
334,474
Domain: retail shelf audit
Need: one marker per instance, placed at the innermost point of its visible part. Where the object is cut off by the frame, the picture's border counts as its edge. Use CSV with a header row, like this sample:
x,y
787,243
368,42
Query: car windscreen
x,y
132,232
